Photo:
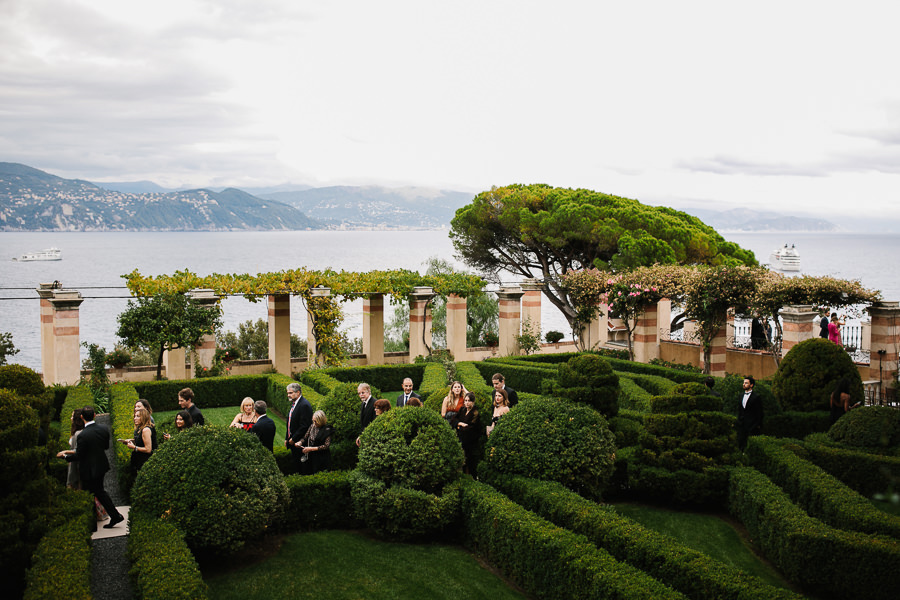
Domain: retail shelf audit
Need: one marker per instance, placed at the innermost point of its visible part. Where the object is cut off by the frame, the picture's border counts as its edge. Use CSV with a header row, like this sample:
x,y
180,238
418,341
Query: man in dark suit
x,y
366,408
823,326
750,413
186,402
298,422
93,442
408,393
500,384
264,428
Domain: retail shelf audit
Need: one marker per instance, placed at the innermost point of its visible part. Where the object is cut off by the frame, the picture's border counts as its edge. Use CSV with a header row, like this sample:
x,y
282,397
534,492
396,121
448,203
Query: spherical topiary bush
x,y
556,441
341,407
21,380
588,379
809,373
18,423
870,427
218,485
404,484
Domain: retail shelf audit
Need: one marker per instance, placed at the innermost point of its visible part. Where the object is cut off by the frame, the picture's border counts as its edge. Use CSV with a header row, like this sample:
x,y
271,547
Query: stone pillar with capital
x,y
373,329
798,325
205,351
531,305
885,333
279,309
457,326
510,319
420,322
48,340
66,345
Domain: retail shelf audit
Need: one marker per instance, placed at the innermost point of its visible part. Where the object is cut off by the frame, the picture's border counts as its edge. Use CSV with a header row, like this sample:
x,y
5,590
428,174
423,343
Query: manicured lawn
x,y
216,416
346,565
706,533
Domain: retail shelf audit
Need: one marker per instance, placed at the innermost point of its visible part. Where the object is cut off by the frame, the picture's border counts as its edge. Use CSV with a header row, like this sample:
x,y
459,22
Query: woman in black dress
x,y
143,444
468,430
316,445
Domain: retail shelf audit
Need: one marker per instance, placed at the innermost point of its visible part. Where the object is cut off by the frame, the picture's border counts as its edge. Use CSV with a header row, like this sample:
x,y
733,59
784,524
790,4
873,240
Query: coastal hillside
x,y
33,200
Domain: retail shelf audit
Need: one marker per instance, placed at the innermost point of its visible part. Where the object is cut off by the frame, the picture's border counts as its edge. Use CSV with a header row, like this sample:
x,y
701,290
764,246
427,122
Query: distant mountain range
x,y
33,200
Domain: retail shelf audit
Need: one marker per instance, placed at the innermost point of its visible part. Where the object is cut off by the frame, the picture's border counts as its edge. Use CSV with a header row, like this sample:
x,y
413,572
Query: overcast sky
x,y
792,106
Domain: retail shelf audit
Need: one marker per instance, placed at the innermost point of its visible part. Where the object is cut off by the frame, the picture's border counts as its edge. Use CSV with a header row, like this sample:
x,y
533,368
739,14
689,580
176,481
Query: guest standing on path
x,y
366,408
93,442
500,384
144,443
823,326
750,413
264,428
298,422
408,393
186,402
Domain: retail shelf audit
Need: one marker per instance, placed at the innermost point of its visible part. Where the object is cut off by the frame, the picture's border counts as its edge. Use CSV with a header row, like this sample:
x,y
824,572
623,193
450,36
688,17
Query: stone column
x,y
66,343
663,317
205,351
798,325
510,319
373,329
531,305
48,341
457,326
729,329
718,352
419,322
646,334
175,363
885,342
279,306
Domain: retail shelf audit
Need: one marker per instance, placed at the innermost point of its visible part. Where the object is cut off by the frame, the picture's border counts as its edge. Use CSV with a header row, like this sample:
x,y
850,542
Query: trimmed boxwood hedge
x,y
655,385
520,377
122,398
162,566
866,473
209,392
820,494
319,501
61,564
828,561
632,396
78,396
794,424
872,428
319,380
385,377
547,561
434,377
690,572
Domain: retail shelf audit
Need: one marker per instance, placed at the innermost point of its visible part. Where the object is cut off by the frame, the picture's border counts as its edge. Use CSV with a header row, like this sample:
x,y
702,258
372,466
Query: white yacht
x,y
45,254
785,259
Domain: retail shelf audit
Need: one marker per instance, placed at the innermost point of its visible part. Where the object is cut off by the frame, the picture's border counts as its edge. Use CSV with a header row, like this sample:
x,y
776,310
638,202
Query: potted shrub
x,y
554,337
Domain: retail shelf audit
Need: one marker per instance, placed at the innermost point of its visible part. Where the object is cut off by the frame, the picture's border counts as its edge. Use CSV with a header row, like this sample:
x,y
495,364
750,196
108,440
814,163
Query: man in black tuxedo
x,y
264,428
823,326
93,442
408,393
500,384
186,402
298,422
366,408
750,413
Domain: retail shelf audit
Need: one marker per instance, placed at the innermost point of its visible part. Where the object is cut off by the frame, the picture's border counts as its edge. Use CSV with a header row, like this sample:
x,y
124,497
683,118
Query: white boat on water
x,y
785,259
45,254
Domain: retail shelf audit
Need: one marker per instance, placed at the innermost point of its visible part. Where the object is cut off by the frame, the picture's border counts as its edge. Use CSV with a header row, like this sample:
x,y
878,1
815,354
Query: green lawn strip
x,y
891,507
215,416
705,533
343,564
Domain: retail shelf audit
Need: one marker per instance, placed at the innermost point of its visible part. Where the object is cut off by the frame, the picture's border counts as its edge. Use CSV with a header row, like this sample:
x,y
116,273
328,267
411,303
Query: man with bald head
x,y
408,393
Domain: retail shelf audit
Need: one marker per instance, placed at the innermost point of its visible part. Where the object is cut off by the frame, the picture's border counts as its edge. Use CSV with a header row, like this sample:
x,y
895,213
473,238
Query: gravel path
x,y
109,556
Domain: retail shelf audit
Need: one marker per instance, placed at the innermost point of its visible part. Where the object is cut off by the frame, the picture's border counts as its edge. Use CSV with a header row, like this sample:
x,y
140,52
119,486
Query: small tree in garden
x,y
166,322
809,373
7,348
711,291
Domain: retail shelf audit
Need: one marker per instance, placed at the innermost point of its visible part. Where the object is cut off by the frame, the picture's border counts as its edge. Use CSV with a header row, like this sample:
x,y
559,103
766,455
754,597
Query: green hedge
x,y
434,377
320,501
632,396
655,385
690,572
61,564
822,495
470,376
384,377
162,566
122,398
827,561
209,392
547,561
78,396
866,473
520,377
793,424
319,380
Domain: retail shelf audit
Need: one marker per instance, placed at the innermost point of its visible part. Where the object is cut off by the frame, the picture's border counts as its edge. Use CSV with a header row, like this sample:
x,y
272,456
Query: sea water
x,y
94,262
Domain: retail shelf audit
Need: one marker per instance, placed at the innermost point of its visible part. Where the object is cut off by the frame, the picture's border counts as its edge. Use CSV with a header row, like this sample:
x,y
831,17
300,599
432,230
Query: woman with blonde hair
x,y
316,445
247,417
143,444
454,400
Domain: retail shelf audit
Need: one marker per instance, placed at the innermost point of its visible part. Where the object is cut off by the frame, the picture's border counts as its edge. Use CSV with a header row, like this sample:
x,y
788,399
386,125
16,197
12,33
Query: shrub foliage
x,y
868,427
588,379
809,373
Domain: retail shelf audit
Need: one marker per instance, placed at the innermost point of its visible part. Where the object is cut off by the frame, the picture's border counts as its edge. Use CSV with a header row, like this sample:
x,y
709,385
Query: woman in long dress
x,y
143,444
834,330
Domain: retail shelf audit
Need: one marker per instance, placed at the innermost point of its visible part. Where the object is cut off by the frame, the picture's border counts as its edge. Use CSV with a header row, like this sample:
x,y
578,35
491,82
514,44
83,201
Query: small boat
x,y
785,259
45,254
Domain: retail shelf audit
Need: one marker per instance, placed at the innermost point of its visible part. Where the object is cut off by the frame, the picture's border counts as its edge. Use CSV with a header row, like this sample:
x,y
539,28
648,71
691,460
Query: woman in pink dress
x,y
834,330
